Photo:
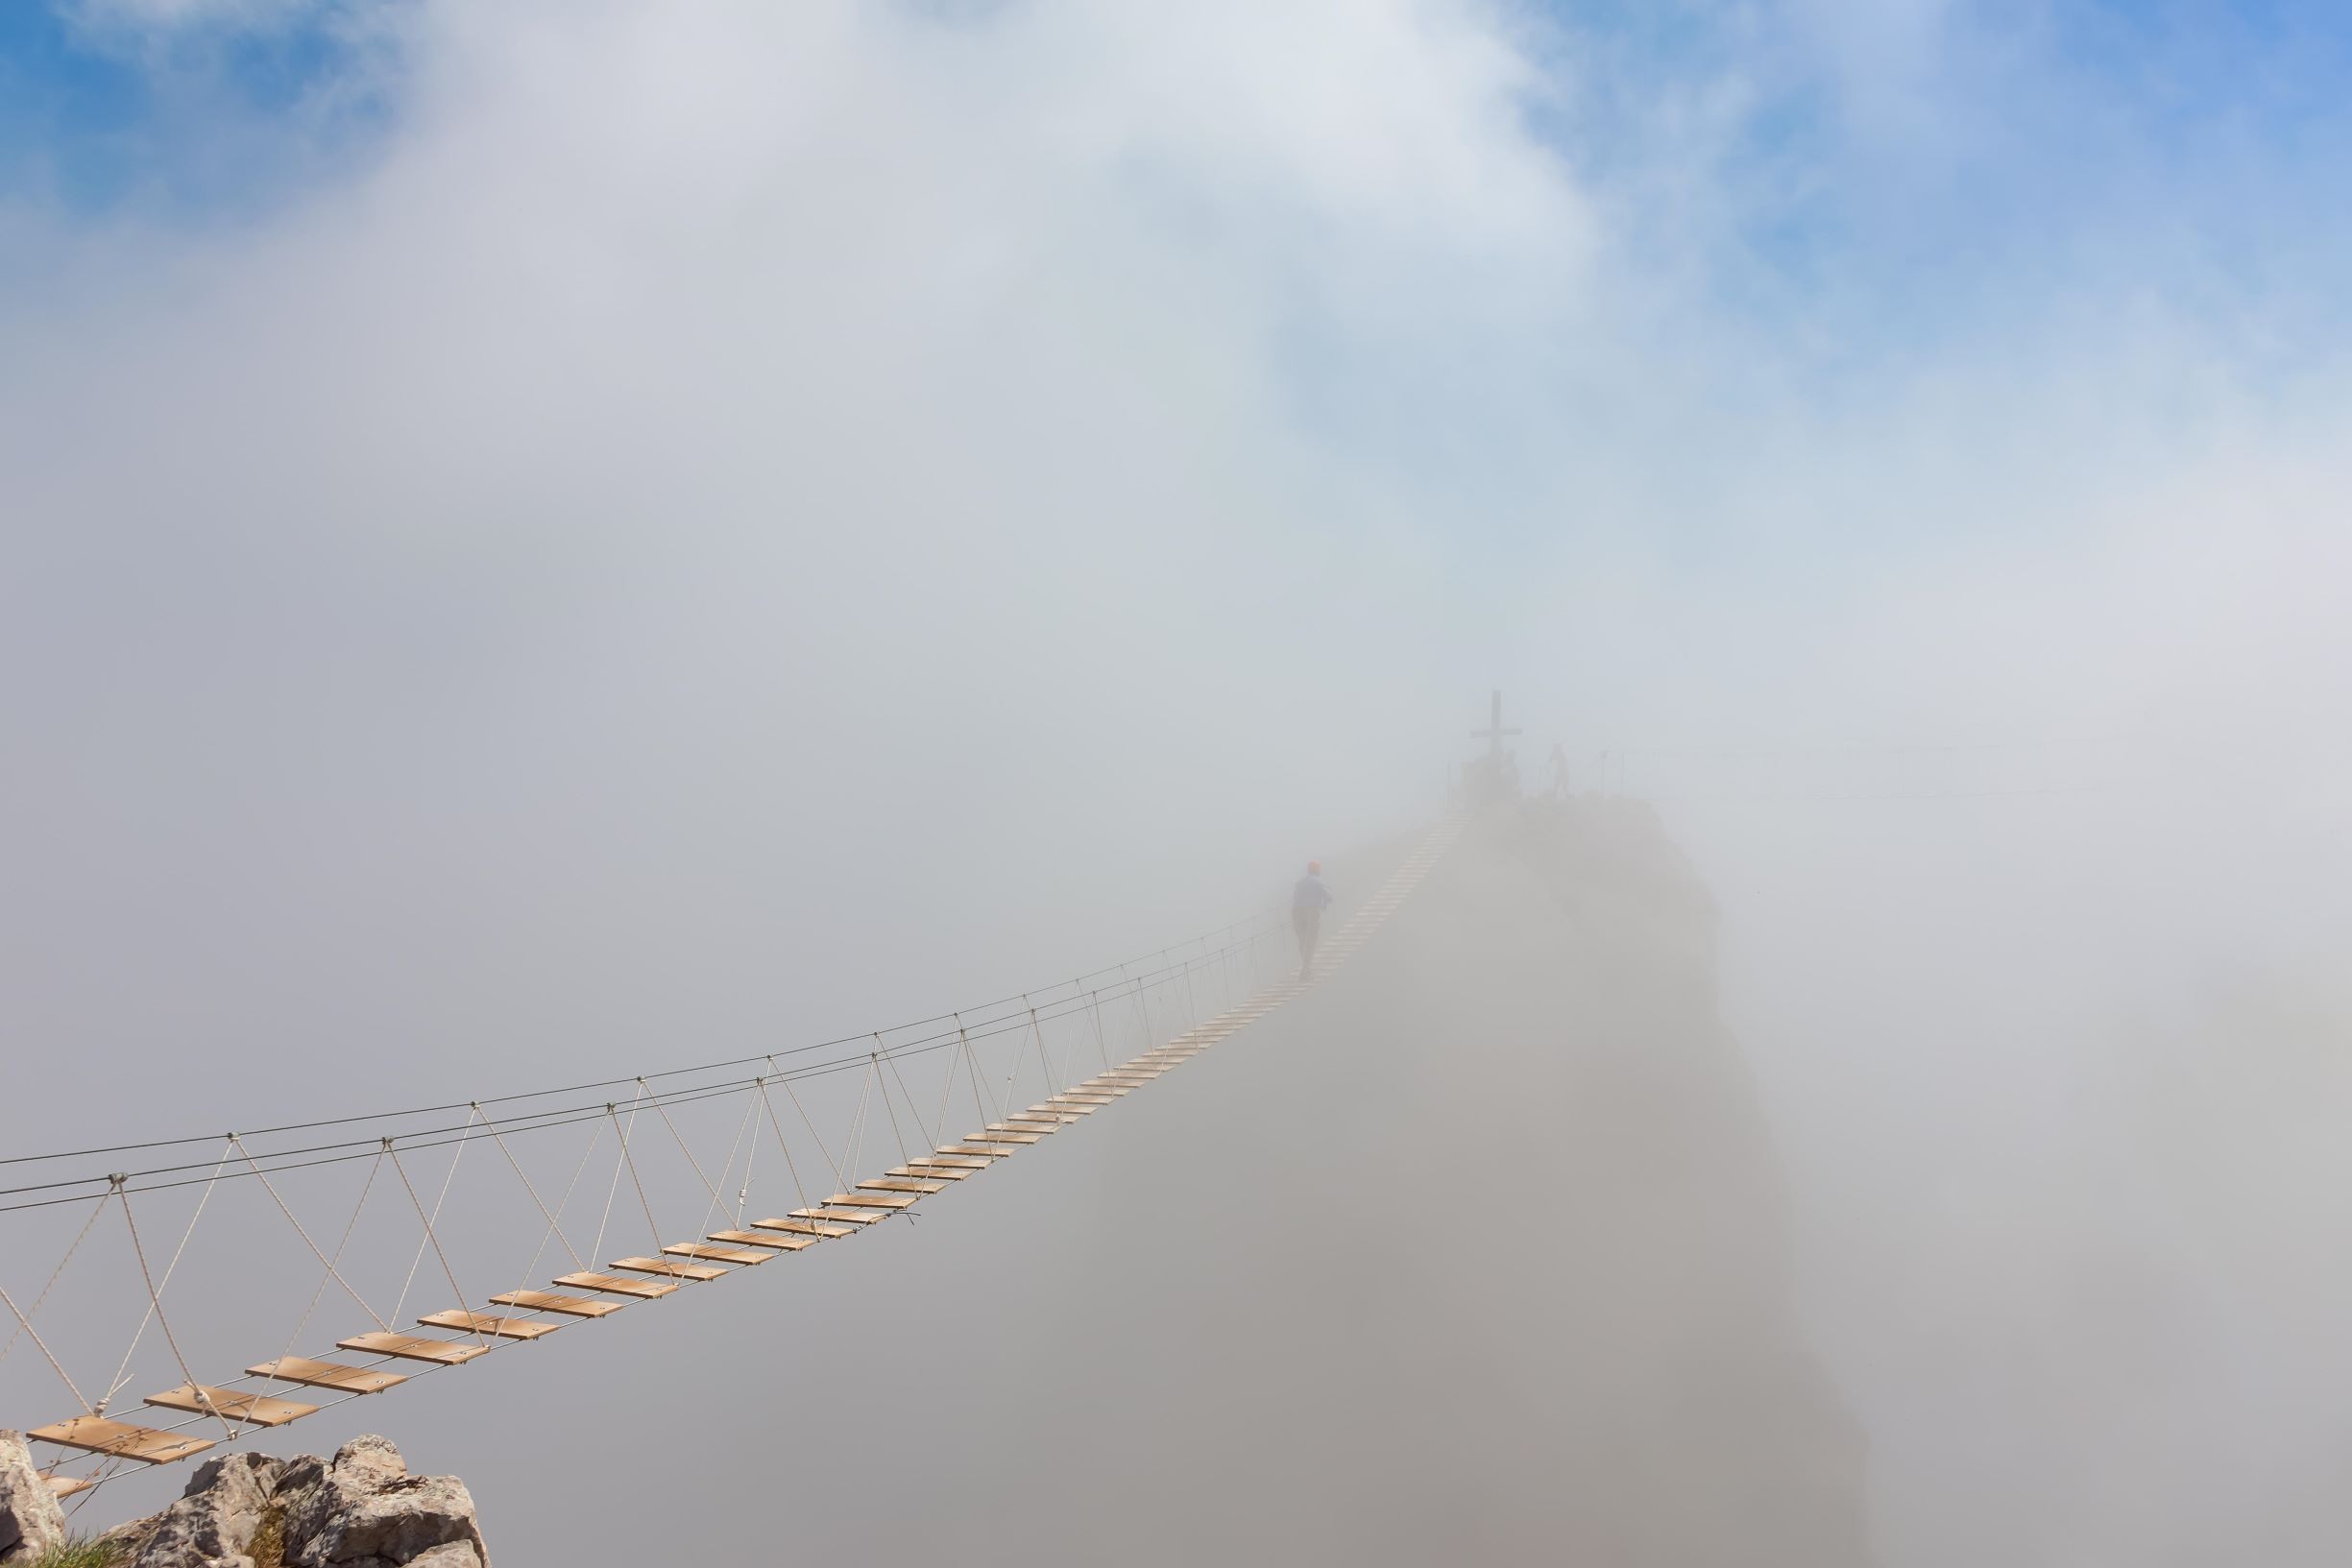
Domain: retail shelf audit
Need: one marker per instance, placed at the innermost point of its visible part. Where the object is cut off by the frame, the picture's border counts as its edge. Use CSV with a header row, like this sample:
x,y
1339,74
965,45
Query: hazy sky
x,y
532,532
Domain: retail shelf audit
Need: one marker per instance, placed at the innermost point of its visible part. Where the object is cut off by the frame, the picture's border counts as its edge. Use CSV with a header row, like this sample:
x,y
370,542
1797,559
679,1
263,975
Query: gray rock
x,y
31,1522
213,1522
364,1509
359,1509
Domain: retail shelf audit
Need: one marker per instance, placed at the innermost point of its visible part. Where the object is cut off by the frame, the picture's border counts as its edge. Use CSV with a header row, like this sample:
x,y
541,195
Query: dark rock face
x,y
215,1520
31,1522
1525,1294
359,1509
1568,951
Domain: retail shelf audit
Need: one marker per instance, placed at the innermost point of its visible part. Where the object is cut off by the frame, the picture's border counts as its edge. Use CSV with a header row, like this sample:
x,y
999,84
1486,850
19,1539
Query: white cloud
x,y
933,495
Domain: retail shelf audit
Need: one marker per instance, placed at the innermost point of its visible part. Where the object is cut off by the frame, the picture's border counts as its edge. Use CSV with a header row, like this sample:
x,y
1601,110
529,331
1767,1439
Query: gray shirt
x,y
1310,894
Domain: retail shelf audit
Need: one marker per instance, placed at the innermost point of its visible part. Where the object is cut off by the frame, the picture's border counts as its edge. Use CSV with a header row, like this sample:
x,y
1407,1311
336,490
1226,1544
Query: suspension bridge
x,y
254,1278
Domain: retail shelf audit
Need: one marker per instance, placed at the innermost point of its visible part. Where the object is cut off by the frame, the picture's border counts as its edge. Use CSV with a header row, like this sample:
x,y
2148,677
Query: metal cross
x,y
1493,735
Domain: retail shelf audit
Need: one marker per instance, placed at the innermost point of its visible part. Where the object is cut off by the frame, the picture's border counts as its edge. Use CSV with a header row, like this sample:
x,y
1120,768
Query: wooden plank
x,y
1065,1112
950,1155
900,1183
350,1380
1023,1139
854,1216
97,1435
62,1487
925,1171
1038,1125
985,1145
766,1238
667,1269
873,1200
805,1227
415,1347
645,1289
741,1256
547,1301
490,1323
253,1409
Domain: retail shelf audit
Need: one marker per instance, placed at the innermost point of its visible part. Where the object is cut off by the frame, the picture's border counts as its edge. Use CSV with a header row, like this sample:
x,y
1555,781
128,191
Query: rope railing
x,y
67,1189
1257,925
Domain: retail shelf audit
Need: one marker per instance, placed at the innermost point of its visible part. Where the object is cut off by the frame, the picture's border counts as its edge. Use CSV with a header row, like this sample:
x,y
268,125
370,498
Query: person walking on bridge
x,y
1308,901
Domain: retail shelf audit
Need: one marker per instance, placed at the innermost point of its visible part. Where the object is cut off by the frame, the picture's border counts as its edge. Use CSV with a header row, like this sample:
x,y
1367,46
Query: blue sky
x,y
1889,174
195,121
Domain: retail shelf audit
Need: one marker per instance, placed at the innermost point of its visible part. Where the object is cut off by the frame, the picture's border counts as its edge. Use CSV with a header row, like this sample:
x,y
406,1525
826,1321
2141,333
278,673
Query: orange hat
x,y
1314,868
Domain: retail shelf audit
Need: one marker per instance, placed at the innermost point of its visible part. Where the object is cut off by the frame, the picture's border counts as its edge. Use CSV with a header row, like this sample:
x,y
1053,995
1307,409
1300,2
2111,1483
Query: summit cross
x,y
1494,733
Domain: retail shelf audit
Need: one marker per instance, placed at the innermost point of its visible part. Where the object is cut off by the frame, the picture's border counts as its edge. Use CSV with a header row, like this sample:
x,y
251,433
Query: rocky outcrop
x,y
359,1509
31,1522
365,1510
214,1524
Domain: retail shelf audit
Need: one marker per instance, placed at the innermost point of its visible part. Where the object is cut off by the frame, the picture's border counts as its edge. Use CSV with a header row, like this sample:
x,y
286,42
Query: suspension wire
x,y
1045,1063
447,1178
790,1164
1138,992
718,1204
1057,1079
498,1100
54,1364
331,1270
349,1225
912,1109
676,1138
971,1062
363,1147
620,1156
555,1227
1101,1050
890,1110
1142,1009
122,1373
418,1204
742,1193
638,1181
857,1143
947,1091
54,1274
155,1304
822,1148
751,1148
1012,1074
